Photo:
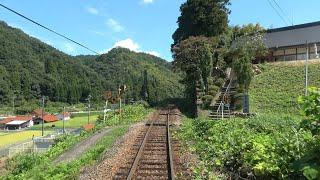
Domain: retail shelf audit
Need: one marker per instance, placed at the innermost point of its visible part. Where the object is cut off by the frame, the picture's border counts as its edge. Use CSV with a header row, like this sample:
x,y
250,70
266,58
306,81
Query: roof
x,y
298,26
16,122
66,114
49,118
293,35
16,118
38,112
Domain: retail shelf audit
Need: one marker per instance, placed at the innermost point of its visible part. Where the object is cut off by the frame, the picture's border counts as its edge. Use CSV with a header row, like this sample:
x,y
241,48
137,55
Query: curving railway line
x,y
151,157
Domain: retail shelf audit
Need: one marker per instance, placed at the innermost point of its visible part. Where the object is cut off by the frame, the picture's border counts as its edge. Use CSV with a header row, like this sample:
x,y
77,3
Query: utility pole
x,y
88,99
13,106
63,119
42,112
306,70
105,111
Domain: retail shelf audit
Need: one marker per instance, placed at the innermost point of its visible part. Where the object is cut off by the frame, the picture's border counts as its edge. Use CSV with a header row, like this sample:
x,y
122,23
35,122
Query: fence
x,y
38,145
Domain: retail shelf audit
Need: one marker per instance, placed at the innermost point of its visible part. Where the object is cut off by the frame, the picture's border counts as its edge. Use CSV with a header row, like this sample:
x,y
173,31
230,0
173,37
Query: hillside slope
x,y
30,68
280,84
121,66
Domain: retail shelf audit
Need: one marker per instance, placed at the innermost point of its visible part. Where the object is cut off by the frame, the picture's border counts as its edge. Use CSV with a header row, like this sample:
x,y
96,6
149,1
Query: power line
x,y
285,14
53,31
278,12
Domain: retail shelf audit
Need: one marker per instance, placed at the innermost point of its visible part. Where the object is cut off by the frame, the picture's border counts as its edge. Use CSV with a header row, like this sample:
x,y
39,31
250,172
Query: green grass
x,y
75,122
15,137
268,145
277,88
28,166
3,133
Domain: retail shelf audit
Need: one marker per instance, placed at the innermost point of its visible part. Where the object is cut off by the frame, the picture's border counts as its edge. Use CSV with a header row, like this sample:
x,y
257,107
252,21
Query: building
x,y
65,116
290,43
16,123
38,113
46,118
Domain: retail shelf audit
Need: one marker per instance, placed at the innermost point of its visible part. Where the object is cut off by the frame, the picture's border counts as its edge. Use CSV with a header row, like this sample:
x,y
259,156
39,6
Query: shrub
x,y
310,108
207,99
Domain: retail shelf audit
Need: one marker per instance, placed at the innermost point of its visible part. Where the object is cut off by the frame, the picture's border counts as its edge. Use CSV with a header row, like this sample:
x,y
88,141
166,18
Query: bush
x,y
310,109
206,99
264,146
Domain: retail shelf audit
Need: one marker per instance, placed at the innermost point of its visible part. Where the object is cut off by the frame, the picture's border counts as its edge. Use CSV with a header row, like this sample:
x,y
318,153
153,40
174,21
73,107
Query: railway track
x,y
151,157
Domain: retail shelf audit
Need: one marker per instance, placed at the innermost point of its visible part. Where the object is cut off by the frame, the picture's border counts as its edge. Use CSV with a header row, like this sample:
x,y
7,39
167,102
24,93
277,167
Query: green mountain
x,y
30,69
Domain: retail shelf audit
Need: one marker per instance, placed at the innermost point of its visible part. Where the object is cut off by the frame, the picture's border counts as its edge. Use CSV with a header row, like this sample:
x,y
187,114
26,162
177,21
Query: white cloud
x,y
131,45
147,1
155,53
93,11
114,25
69,48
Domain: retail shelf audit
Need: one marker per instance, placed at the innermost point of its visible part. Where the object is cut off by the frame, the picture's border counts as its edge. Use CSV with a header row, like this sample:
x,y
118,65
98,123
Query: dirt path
x,y
82,147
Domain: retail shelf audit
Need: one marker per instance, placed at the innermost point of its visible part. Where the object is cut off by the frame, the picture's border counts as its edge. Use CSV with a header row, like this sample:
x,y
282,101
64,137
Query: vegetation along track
x,y
151,157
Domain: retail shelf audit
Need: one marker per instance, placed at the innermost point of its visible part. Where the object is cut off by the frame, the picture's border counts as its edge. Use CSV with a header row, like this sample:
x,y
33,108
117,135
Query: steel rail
x,y
170,157
139,154
134,166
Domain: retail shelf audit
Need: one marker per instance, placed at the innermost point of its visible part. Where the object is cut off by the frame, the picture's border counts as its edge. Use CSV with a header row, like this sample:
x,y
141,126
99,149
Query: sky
x,y
140,25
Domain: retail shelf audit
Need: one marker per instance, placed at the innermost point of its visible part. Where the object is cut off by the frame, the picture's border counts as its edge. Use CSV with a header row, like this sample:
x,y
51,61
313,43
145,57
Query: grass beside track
x,y
270,145
29,166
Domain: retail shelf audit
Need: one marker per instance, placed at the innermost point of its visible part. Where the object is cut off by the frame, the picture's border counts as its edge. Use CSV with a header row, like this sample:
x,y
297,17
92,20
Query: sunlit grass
x,y
278,87
75,122
15,137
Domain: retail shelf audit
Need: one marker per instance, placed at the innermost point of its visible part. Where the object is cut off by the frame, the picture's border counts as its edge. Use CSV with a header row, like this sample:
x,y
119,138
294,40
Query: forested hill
x,y
30,68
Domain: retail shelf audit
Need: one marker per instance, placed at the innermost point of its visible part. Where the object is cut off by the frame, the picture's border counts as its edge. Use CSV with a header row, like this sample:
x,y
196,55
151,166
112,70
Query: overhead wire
x,y
283,12
53,31
277,12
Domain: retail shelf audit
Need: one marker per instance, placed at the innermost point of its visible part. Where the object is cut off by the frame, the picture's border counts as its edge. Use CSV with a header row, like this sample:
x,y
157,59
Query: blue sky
x,y
141,25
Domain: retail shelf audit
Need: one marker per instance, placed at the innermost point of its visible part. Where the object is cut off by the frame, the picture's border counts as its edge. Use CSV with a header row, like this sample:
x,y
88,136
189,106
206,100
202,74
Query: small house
x,y
48,118
64,116
16,123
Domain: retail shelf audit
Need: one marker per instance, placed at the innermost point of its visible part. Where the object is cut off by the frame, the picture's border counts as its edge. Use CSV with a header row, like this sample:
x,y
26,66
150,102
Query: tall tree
x,y
202,17
247,44
194,57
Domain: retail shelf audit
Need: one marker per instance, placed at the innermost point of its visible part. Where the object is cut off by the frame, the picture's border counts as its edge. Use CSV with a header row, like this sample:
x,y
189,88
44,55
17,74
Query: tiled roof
x,y
16,118
50,118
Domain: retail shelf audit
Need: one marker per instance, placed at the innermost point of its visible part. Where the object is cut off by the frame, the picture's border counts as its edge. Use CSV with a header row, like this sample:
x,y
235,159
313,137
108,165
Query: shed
x,y
16,125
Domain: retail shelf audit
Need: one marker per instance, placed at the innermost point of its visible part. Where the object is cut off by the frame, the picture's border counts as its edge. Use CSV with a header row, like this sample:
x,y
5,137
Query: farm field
x,y
15,137
3,133
75,122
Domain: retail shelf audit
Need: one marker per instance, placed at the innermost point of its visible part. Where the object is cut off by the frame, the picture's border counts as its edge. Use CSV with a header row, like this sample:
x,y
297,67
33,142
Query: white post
x,y
105,111
306,70
222,110
316,51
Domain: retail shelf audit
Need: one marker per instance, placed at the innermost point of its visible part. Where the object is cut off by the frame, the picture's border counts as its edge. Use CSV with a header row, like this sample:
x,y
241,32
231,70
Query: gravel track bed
x,y
114,157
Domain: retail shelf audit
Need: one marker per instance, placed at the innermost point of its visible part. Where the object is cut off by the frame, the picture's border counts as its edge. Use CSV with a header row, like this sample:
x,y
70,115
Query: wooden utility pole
x,y
63,119
13,106
42,113
88,99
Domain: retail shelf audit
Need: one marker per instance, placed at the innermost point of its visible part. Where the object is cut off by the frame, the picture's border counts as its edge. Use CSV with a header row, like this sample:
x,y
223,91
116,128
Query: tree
x,y
194,57
201,18
247,44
